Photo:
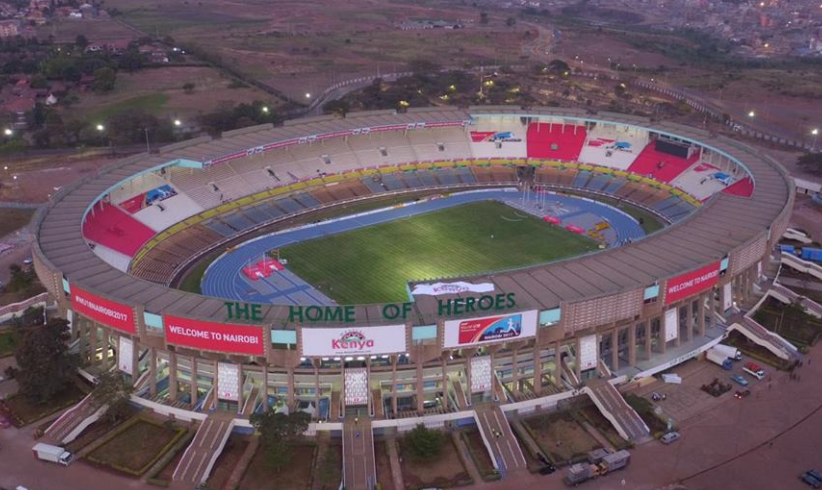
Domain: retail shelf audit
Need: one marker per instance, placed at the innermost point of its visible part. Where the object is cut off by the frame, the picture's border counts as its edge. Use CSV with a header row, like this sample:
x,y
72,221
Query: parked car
x,y
669,438
815,473
4,422
810,481
658,397
740,379
547,469
742,394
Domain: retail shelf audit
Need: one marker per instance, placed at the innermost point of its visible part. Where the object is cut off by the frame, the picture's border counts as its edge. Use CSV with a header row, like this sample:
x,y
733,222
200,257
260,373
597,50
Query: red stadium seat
x,y
743,187
109,226
662,167
555,141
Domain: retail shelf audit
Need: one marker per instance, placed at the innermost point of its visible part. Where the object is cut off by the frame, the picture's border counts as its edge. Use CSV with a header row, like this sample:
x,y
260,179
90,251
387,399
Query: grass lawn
x,y
97,430
259,476
228,459
645,409
373,264
25,412
445,471
149,103
561,437
8,341
789,321
12,219
383,464
136,446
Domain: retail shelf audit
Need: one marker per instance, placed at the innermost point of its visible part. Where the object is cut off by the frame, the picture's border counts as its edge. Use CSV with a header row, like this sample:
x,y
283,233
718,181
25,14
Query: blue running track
x,y
224,277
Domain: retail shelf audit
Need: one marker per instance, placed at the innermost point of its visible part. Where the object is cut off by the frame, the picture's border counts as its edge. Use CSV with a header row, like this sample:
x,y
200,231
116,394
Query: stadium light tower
x,y
815,134
100,127
265,109
178,123
752,114
8,132
308,95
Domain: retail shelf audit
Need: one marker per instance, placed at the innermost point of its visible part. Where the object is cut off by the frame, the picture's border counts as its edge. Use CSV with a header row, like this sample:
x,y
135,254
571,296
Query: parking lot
x,y
686,401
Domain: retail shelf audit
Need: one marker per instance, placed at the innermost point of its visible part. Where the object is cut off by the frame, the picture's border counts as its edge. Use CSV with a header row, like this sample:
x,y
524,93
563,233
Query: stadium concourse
x,y
468,350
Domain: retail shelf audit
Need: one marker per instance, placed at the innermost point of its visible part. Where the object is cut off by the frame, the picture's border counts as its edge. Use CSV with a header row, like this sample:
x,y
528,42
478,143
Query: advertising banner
x,y
671,324
691,283
102,310
356,387
216,337
480,374
439,288
728,297
228,381
588,355
366,341
490,329
125,355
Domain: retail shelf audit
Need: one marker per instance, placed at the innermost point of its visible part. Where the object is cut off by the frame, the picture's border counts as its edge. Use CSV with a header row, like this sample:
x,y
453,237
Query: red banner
x,y
102,310
211,336
691,283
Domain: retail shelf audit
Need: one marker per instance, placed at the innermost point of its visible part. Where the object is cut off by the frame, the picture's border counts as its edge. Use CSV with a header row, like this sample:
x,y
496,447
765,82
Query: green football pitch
x,y
373,264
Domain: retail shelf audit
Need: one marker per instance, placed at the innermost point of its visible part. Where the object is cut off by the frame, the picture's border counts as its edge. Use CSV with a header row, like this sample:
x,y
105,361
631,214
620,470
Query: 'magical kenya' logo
x,y
352,339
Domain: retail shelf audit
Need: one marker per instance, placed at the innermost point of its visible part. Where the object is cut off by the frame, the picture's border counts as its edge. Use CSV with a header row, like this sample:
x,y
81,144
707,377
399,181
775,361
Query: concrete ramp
x,y
76,419
802,265
763,337
614,408
200,456
500,440
359,469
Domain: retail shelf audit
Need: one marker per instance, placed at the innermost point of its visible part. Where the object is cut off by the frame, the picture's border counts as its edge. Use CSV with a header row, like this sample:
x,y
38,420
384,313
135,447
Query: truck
x,y
720,358
54,454
598,465
812,254
732,352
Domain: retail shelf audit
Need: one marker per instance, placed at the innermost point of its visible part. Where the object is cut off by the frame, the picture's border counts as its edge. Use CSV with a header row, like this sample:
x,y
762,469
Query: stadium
x,y
402,267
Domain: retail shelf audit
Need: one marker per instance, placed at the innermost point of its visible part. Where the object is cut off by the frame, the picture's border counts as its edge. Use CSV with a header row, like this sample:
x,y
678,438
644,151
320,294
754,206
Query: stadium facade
x,y
109,247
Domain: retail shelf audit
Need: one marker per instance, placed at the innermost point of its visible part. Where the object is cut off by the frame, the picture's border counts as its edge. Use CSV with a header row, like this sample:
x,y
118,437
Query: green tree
x,y
810,162
188,87
558,66
81,41
277,432
104,79
112,390
511,21
44,367
483,17
337,107
425,444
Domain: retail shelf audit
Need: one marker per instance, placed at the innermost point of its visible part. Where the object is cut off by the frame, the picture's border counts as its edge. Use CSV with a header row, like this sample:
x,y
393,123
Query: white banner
x,y
480,374
356,387
228,382
490,329
366,341
588,352
671,324
729,297
439,288
125,355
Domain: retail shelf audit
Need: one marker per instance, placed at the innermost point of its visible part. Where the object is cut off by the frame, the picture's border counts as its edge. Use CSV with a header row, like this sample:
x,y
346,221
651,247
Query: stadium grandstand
x,y
113,249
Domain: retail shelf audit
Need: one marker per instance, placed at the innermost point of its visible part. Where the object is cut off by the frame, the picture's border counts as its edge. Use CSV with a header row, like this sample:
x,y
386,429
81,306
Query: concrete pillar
x,y
722,301
537,384
445,384
648,344
106,347
82,336
289,387
557,374
468,394
700,319
577,363
92,340
420,379
317,390
394,385
135,361
632,345
369,401
265,388
615,349
515,370
193,381
152,369
679,308
342,389
693,304
172,376
240,392
216,381
663,346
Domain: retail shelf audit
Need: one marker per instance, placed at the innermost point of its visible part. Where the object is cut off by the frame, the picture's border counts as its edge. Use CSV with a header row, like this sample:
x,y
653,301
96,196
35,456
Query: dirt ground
x,y
383,464
295,476
561,436
37,178
233,451
446,468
